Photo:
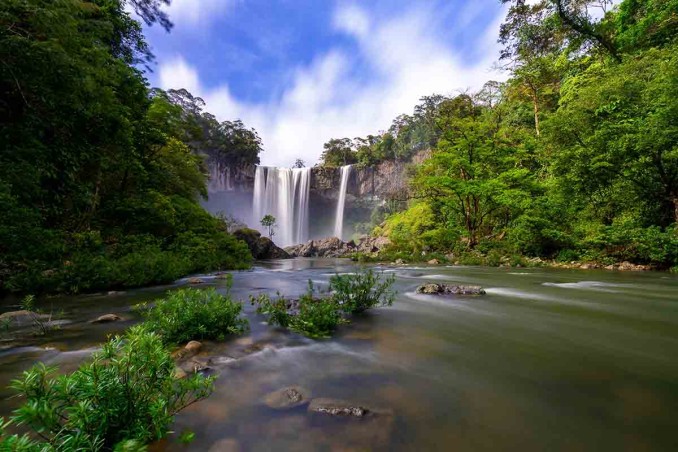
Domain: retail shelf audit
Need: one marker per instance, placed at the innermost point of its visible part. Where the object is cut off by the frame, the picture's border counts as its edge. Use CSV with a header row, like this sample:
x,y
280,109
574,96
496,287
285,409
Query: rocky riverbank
x,y
374,249
335,247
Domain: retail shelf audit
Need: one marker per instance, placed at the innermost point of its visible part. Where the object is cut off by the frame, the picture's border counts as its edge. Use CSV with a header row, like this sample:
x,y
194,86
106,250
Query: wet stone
x,y
335,407
289,397
445,289
107,318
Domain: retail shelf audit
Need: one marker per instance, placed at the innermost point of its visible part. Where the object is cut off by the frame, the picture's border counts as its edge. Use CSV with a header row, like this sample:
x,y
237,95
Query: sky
x,y
304,71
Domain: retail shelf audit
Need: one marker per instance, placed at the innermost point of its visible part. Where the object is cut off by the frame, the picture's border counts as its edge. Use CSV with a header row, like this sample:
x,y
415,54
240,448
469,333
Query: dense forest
x,y
574,157
100,176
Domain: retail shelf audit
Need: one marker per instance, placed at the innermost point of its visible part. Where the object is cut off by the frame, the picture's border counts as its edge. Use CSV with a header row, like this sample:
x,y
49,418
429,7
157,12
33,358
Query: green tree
x,y
617,139
269,222
477,177
338,152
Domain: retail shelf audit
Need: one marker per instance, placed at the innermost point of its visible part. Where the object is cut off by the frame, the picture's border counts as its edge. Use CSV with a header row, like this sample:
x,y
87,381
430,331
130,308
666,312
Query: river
x,y
547,360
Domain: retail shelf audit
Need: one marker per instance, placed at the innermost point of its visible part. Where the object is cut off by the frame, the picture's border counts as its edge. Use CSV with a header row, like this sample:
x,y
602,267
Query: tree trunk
x,y
675,209
535,104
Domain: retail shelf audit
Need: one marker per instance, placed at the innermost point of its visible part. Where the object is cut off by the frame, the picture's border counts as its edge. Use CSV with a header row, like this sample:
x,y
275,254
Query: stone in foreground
x,y
335,407
290,397
107,318
445,289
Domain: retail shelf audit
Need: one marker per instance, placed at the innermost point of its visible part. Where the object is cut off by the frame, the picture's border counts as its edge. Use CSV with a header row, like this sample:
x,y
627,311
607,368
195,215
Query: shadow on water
x,y
548,359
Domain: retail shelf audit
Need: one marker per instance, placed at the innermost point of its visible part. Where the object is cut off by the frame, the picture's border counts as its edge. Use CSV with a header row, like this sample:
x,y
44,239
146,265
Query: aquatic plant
x,y
360,291
310,315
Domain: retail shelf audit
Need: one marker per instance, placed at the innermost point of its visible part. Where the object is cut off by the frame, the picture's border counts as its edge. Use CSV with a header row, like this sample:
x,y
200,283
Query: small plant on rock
x,y
194,314
356,293
127,394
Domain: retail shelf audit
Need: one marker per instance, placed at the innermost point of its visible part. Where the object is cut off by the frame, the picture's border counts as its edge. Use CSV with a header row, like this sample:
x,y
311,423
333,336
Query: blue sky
x,y
304,71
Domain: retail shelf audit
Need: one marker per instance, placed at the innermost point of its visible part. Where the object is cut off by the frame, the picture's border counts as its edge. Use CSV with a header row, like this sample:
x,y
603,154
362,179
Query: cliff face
x,y
385,180
382,181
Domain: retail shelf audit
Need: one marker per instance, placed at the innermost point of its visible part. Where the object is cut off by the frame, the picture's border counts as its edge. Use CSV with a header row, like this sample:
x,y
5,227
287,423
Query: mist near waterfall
x,y
286,194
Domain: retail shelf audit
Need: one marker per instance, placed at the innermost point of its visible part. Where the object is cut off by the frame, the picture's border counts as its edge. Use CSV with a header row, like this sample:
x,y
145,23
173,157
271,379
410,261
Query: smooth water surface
x,y
547,360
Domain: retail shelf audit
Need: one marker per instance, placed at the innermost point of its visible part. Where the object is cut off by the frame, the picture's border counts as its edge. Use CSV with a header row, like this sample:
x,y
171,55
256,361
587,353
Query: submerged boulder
x,y
225,445
107,318
445,289
289,397
260,247
335,407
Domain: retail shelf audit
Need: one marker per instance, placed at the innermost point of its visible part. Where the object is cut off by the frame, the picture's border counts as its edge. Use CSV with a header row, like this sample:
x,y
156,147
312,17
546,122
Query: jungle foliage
x,y
100,176
575,156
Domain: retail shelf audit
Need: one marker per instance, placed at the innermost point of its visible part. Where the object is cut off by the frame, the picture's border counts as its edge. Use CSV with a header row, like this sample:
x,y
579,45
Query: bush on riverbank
x,y
194,314
126,393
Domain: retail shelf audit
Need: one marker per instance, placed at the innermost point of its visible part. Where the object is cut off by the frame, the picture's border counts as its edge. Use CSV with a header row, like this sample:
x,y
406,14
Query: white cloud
x,y
177,73
352,20
406,60
194,12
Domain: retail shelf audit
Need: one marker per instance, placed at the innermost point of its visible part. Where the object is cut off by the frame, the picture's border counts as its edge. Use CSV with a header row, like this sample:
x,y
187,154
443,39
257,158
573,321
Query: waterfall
x,y
220,178
339,218
283,193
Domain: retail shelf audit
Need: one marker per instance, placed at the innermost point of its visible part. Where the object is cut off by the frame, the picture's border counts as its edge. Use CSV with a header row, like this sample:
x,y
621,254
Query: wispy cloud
x,y
197,12
402,58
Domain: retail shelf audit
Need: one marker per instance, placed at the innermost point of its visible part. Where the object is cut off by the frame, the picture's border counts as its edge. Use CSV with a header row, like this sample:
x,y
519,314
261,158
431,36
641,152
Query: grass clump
x,y
194,314
126,395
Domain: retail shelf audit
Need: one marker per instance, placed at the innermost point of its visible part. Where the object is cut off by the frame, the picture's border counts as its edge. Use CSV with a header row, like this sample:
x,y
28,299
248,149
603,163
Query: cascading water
x,y
283,193
220,178
339,218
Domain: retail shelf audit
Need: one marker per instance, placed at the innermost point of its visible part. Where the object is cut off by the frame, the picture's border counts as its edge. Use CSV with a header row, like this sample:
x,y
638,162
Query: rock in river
x,y
445,289
337,408
107,318
290,397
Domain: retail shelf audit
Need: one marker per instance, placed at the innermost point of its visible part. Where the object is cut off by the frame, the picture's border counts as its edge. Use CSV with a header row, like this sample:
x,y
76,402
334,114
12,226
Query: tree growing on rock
x,y
269,222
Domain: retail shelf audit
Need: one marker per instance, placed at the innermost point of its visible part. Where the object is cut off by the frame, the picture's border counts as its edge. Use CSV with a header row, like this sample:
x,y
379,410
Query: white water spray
x,y
283,193
339,218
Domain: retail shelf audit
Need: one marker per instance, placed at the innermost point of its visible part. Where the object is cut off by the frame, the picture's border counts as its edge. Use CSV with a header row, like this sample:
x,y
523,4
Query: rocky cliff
x,y
385,180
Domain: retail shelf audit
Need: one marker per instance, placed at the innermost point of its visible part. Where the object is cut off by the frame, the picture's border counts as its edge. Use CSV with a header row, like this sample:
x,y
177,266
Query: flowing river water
x,y
547,360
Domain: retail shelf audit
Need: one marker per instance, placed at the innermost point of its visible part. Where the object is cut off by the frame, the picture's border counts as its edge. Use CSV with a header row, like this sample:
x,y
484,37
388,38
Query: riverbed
x,y
546,360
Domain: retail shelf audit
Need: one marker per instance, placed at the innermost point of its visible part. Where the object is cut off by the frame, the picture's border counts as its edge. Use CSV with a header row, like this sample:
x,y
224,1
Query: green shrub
x,y
310,316
567,256
317,317
126,393
194,314
276,312
356,293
